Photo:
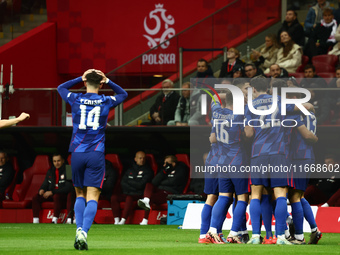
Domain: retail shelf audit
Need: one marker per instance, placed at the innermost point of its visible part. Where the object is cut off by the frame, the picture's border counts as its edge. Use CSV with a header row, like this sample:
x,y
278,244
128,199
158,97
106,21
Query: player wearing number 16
x,y
89,114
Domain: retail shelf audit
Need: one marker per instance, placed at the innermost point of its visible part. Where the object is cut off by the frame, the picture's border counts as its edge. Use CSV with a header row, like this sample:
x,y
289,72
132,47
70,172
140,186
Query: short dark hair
x,y
250,64
57,154
327,11
291,10
172,157
94,78
279,83
309,66
259,83
203,60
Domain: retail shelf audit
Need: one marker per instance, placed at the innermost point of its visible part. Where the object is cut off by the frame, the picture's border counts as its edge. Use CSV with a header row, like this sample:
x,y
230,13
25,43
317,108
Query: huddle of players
x,y
271,145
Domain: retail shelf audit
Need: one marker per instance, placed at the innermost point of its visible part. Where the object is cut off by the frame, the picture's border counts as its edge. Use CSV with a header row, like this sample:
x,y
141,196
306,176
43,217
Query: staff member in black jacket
x,y
133,183
55,188
171,179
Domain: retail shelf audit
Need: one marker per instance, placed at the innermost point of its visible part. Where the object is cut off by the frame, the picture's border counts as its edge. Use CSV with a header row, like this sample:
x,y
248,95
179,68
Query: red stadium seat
x,y
185,159
116,162
323,67
304,61
152,162
32,179
330,60
327,76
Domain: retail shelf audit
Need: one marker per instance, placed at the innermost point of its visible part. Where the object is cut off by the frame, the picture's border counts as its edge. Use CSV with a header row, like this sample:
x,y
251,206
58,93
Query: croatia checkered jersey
x,y
89,115
228,128
269,137
299,149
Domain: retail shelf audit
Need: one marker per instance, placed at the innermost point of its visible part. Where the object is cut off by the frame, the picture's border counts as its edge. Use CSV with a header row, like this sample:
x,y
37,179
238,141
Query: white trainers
x,y
122,222
35,220
69,221
143,204
144,222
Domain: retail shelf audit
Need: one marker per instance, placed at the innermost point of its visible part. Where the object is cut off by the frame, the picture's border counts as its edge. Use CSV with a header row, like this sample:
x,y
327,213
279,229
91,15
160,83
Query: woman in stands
x,y
268,54
233,63
290,55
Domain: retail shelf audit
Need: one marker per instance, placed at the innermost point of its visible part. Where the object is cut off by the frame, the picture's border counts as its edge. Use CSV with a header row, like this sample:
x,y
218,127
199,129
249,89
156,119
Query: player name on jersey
x,y
90,102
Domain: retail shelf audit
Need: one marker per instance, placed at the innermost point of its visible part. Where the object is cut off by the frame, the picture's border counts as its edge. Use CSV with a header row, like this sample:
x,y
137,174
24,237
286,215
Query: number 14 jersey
x,y
89,115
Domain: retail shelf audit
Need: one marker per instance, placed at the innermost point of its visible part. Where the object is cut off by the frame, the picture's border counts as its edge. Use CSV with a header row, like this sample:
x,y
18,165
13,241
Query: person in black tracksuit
x,y
171,179
132,184
55,188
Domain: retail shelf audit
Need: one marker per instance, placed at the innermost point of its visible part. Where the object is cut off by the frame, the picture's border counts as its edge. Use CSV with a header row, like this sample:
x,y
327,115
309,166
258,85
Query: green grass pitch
x,y
135,239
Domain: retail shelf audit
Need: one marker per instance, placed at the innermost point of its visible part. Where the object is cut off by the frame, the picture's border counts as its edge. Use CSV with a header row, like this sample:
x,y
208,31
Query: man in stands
x,y
7,174
251,71
293,27
133,184
171,179
310,77
55,188
165,105
275,71
314,16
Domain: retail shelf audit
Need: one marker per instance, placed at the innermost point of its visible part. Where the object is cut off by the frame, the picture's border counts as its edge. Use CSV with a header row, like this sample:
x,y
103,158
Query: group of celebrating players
x,y
266,143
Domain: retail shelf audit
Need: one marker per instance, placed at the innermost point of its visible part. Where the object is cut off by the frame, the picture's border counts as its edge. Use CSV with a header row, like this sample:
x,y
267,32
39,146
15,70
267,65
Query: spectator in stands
x,y
203,70
110,187
165,105
320,102
182,114
171,179
336,47
7,174
238,73
268,54
289,56
55,188
11,122
322,38
294,28
292,82
233,62
251,71
325,192
314,16
133,184
275,71
310,77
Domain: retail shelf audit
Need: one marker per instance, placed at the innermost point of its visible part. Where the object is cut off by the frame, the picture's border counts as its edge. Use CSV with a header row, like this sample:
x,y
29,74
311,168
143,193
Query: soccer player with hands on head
x,y
89,114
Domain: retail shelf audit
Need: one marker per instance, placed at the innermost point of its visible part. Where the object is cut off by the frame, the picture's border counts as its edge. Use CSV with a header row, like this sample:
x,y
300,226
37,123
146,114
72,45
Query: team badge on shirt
x,y
140,172
62,176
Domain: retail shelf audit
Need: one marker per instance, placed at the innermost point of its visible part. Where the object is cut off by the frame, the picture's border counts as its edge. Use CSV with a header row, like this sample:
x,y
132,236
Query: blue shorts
x,y
234,185
300,179
211,186
273,179
88,169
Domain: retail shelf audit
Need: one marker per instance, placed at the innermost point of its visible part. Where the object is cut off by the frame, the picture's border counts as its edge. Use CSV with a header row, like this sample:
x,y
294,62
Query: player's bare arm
x,y
7,123
309,137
